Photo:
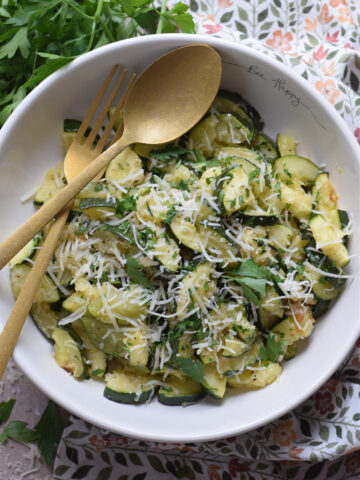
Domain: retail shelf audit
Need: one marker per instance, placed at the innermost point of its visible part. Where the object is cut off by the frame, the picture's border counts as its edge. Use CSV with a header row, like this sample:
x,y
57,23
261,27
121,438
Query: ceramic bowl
x,y
30,143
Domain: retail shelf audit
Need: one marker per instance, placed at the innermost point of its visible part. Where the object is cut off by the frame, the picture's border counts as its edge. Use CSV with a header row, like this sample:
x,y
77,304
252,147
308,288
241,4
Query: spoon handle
x,y
17,317
14,243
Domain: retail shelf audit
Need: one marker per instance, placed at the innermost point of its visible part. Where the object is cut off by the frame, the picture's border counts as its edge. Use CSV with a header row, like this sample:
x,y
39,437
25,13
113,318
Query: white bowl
x,y
30,143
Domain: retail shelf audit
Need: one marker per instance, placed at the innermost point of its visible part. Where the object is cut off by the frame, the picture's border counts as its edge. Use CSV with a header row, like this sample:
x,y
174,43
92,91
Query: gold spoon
x,y
166,100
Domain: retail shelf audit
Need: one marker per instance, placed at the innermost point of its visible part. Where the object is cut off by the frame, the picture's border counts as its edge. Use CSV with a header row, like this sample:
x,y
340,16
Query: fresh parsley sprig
x,y
38,37
252,278
273,348
135,272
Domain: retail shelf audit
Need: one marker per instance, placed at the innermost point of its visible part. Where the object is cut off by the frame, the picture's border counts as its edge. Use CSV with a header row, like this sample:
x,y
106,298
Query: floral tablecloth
x,y
320,40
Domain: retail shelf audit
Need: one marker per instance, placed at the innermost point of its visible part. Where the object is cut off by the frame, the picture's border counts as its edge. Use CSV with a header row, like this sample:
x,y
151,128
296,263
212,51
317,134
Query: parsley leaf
x,y
168,153
18,430
195,370
5,409
272,349
170,214
48,431
135,272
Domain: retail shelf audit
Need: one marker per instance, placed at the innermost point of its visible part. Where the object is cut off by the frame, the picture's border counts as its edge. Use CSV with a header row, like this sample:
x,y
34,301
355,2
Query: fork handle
x,y
14,243
17,317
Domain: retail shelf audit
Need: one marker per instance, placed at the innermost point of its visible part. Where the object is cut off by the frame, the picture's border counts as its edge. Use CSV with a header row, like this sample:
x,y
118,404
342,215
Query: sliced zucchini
x,y
326,199
47,291
214,383
231,131
137,346
97,208
126,169
186,233
290,330
320,286
126,387
233,347
280,236
105,338
233,366
202,137
53,182
124,231
94,190
217,243
152,207
234,154
96,360
166,250
112,303
45,318
67,351
234,192
292,168
320,308
261,376
179,392
26,252
196,287
264,144
296,200
232,102
272,310
329,239
285,145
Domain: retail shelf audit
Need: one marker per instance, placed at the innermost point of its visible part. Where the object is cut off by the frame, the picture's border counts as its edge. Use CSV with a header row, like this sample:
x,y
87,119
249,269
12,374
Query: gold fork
x,y
81,152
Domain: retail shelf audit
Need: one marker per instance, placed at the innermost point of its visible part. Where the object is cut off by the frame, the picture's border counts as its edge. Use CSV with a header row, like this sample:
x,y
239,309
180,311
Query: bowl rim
x,y
169,40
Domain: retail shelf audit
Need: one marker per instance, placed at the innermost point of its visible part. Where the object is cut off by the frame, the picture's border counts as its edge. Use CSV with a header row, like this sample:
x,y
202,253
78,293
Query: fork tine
x,y
93,107
99,121
101,143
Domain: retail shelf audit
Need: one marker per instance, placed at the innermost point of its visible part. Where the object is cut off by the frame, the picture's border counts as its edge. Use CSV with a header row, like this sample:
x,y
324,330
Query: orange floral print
x,y
294,452
283,433
324,16
211,18
224,3
345,15
281,41
328,89
310,26
336,3
213,472
329,70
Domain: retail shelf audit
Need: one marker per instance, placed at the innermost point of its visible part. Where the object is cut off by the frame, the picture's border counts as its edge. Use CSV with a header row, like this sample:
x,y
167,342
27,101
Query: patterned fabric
x,y
320,40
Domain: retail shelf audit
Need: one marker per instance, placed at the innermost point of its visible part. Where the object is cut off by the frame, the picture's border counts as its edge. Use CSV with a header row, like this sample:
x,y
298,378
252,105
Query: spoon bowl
x,y
172,94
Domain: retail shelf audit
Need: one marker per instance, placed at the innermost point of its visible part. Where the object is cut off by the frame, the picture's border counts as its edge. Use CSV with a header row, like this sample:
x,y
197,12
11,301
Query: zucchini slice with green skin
x,y
280,236
103,337
255,218
179,392
47,292
320,308
129,388
214,383
234,103
67,351
325,198
217,243
186,233
329,239
233,347
126,169
233,366
233,190
196,286
45,318
96,360
296,200
292,168
290,331
53,182
286,145
264,144
272,309
234,154
166,250
26,252
321,287
262,375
